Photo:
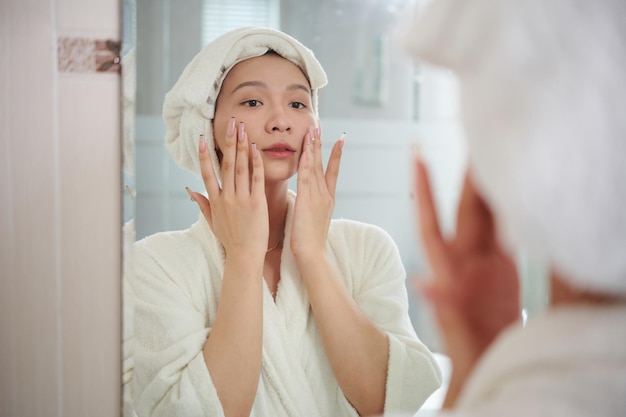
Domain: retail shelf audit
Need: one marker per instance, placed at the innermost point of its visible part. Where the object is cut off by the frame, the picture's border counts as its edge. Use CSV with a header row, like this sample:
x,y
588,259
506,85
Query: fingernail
x,y
311,134
202,144
241,131
318,133
416,150
255,153
230,132
190,193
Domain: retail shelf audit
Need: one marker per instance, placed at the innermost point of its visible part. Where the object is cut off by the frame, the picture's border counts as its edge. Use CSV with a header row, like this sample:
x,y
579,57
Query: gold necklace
x,y
274,247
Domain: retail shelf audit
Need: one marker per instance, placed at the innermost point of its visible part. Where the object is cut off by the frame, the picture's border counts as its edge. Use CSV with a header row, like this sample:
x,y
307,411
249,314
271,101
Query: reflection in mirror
x,y
375,94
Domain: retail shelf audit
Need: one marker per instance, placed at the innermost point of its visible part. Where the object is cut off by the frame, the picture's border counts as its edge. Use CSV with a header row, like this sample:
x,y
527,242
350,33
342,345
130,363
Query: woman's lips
x,y
279,151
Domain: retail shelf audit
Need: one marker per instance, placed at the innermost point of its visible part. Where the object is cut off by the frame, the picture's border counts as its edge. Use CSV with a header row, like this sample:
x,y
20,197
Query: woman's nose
x,y
278,121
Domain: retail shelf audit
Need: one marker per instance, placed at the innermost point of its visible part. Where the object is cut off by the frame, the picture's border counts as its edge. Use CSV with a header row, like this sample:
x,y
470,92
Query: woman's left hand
x,y
356,349
316,196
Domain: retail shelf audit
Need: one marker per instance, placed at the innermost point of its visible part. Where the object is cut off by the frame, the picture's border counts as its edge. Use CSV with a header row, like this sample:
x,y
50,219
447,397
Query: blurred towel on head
x,y
543,121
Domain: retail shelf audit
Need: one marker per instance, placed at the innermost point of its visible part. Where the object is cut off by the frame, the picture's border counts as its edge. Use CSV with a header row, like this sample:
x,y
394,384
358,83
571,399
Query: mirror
x,y
377,95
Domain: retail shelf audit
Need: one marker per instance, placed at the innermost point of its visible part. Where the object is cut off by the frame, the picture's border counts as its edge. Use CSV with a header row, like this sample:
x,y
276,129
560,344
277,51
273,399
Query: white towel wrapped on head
x,y
542,87
189,107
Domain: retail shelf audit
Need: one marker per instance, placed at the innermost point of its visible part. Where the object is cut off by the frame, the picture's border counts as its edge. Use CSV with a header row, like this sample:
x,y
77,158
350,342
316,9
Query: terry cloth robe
x,y
177,281
567,362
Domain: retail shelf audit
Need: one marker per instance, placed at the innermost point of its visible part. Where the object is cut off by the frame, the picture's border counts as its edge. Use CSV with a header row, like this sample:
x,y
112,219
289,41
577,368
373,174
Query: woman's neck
x,y
277,210
563,293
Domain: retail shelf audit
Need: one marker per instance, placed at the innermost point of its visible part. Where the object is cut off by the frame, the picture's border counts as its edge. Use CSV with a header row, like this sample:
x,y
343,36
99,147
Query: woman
x,y
266,306
540,82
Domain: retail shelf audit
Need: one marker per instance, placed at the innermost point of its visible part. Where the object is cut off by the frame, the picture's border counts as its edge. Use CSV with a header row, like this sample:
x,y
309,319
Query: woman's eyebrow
x,y
250,84
299,87
261,84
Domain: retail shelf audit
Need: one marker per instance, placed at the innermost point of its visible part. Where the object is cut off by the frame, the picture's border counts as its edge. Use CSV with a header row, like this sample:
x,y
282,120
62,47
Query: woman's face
x,y
272,97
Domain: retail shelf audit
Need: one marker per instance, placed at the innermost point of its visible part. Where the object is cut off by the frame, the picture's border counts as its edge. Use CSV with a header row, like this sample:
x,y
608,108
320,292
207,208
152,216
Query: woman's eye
x,y
298,105
252,103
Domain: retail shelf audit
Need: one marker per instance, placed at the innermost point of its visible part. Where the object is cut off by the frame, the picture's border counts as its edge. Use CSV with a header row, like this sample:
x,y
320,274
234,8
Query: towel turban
x,y
189,107
543,94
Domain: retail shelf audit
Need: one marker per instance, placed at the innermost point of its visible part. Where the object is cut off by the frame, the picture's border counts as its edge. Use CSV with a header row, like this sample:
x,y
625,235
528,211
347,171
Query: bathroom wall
x,y
60,208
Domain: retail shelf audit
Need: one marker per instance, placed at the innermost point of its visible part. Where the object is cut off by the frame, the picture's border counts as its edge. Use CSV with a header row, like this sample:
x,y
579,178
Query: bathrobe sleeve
x,y
171,326
376,276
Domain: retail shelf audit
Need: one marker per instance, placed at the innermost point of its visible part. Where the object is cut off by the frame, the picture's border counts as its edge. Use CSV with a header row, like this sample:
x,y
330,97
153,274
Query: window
x,y
219,16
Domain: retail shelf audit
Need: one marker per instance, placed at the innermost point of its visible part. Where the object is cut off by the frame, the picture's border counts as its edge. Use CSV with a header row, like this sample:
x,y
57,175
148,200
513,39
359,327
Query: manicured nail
x,y
342,140
202,143
311,134
318,132
241,131
255,152
230,132
190,193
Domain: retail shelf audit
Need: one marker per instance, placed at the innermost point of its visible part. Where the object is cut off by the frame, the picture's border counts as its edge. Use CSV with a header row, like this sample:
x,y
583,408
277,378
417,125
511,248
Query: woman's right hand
x,y
237,212
238,216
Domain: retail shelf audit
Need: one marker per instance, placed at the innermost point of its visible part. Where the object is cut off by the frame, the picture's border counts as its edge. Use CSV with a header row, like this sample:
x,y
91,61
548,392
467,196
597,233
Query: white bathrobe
x,y
177,280
567,362
570,362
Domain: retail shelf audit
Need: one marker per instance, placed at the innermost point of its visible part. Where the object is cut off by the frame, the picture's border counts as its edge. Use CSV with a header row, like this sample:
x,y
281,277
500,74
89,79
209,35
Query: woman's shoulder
x,y
167,240
190,242
179,259
364,253
348,228
358,236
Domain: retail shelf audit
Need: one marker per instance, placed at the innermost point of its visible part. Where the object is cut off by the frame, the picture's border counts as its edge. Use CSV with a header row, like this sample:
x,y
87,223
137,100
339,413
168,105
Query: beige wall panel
x,y
89,126
97,18
60,215
29,347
